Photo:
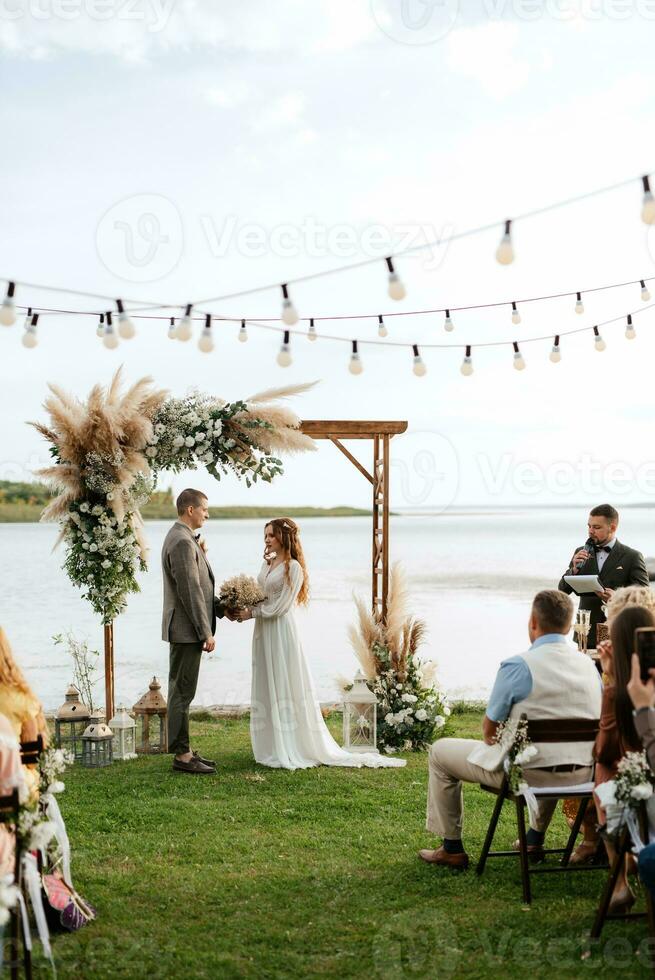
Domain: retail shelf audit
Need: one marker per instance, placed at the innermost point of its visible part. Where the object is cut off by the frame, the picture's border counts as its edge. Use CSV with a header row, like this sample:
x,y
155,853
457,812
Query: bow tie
x,y
603,548
197,537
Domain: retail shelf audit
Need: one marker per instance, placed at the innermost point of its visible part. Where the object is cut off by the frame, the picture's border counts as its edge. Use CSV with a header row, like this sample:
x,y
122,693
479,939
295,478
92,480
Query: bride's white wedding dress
x,y
286,725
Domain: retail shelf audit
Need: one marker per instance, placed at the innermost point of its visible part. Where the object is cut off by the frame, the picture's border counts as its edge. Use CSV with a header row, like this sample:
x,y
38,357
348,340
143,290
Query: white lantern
x,y
124,728
360,717
97,741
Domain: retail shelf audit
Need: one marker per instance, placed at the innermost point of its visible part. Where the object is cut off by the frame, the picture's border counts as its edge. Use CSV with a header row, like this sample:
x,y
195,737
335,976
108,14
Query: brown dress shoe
x,y
440,856
205,762
194,766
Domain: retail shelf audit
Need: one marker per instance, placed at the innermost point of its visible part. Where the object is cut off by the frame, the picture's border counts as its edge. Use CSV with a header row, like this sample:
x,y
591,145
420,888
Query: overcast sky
x,y
173,151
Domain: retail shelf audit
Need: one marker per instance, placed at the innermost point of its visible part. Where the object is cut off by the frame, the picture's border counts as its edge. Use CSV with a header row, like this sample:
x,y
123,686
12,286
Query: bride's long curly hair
x,y
287,533
11,677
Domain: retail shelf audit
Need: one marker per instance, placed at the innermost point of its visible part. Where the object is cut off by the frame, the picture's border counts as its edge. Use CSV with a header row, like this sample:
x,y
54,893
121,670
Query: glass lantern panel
x,y
361,724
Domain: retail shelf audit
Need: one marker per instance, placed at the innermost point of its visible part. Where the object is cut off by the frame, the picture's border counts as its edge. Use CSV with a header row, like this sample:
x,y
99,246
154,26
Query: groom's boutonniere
x,y
201,542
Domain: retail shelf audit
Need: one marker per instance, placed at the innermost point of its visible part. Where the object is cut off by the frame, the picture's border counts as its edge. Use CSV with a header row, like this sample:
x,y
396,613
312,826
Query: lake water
x,y
472,575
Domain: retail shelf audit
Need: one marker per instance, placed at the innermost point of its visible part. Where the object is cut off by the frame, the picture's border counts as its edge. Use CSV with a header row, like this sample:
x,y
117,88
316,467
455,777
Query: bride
x,y
286,725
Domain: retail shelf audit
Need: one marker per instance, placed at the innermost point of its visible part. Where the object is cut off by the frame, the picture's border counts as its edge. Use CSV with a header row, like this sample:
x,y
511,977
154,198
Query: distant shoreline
x,y
24,513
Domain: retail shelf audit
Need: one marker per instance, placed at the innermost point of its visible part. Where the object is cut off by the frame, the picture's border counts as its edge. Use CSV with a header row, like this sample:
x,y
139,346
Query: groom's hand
x,y
209,644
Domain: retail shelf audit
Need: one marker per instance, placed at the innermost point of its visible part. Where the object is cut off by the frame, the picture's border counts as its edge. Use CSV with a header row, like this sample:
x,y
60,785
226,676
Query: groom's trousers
x,y
182,683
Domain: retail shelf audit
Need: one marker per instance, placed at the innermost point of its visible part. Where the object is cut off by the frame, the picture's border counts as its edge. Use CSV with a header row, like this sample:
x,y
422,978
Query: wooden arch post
x,y
380,433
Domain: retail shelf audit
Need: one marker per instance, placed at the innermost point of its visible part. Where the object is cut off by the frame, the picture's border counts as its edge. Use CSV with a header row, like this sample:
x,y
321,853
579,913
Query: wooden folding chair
x,y
623,848
551,731
30,752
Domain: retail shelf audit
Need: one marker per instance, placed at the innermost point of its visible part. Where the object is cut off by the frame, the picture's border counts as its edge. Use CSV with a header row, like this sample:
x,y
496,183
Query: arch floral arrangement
x,y
412,711
109,450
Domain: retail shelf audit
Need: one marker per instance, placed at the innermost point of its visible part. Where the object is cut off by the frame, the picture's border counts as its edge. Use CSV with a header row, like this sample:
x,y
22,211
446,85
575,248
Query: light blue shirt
x,y
514,681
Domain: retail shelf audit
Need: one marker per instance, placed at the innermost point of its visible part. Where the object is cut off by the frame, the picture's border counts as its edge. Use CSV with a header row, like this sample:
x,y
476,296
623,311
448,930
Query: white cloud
x,y
486,53
283,112
229,96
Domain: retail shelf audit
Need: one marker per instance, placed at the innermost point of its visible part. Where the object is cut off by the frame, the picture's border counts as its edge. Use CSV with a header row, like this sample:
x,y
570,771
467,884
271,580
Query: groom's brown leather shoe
x,y
193,766
205,762
440,856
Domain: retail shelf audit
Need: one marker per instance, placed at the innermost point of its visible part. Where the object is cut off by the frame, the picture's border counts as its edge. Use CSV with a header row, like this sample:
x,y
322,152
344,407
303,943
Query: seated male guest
x,y
613,562
551,680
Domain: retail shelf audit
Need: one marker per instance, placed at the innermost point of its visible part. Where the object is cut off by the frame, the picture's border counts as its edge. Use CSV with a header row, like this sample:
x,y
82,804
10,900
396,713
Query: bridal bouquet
x,y
240,592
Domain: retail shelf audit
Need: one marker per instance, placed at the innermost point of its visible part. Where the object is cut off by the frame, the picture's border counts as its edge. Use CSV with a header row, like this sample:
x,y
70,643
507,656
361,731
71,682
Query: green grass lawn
x,y
265,873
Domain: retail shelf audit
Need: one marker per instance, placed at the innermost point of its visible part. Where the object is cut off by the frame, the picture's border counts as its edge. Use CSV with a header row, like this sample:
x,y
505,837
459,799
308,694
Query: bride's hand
x,y
243,615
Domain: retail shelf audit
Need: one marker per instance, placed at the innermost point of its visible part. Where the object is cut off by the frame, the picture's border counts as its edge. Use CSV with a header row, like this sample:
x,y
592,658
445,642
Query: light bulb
x,y
505,250
284,358
125,327
579,305
382,330
396,289
645,294
467,364
555,354
516,316
630,332
30,338
172,330
419,367
355,366
243,333
185,326
7,312
110,340
206,341
311,333
519,363
599,343
448,324
648,204
289,312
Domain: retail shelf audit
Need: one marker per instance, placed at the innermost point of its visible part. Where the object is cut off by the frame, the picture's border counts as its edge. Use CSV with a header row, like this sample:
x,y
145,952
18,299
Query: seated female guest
x,y
642,696
617,733
20,706
11,777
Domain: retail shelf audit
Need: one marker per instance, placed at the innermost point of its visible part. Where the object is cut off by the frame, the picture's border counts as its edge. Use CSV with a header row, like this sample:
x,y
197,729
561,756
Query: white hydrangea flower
x,y
189,441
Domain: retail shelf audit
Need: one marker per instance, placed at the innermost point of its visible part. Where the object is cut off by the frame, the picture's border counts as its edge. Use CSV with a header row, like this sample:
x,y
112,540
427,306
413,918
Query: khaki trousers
x,y
449,768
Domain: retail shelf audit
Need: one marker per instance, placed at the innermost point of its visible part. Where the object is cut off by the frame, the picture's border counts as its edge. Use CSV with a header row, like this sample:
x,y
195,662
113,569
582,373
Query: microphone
x,y
590,546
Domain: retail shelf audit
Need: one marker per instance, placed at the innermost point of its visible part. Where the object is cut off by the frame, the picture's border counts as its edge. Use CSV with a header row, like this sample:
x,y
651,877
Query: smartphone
x,y
645,650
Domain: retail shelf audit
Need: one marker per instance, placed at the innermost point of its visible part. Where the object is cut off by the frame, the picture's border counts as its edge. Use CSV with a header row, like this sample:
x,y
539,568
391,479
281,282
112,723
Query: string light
x,y
172,330
599,343
630,332
382,330
648,203
125,325
100,328
284,358
396,288
8,309
30,338
645,294
289,312
519,363
185,326
505,250
243,333
109,338
448,324
579,305
516,316
555,354
467,364
355,366
311,333
28,317
419,367
206,341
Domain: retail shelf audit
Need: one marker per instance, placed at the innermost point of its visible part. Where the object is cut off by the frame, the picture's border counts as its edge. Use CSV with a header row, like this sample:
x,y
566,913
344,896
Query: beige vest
x,y
565,684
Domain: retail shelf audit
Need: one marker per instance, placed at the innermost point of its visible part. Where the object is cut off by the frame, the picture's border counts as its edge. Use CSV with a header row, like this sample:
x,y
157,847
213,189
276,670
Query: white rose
x,y
218,426
85,546
446,710
439,721
421,714
151,451
200,436
399,687
529,752
409,720
93,547
106,563
643,791
56,787
389,719
178,441
189,441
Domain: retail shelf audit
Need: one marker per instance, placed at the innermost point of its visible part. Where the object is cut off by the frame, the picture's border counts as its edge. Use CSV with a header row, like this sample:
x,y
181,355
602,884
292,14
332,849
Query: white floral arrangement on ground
x,y
412,711
512,735
34,829
108,451
240,592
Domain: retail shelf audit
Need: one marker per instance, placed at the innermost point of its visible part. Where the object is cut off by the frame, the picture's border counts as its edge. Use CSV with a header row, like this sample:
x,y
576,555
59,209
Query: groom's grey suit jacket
x,y
189,606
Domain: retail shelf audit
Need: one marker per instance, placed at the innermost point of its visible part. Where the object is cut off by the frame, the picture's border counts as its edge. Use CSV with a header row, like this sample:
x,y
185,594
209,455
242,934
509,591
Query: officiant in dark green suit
x,y
615,564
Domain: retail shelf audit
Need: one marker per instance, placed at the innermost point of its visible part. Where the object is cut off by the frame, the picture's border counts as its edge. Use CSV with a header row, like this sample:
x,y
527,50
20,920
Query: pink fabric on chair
x,y
11,777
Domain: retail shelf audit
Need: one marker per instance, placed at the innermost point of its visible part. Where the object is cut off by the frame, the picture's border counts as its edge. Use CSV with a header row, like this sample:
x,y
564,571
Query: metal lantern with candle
x,y
360,717
97,743
151,713
123,726
70,723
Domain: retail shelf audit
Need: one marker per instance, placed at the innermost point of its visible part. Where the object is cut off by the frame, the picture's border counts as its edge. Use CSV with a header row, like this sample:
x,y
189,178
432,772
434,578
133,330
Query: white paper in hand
x,y
584,584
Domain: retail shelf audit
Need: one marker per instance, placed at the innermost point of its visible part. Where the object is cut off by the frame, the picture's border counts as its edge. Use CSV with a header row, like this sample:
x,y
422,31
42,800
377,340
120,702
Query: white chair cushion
x,y
563,791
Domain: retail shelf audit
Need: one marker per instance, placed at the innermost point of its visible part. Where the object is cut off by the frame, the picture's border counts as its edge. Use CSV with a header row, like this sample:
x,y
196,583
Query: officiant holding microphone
x,y
604,555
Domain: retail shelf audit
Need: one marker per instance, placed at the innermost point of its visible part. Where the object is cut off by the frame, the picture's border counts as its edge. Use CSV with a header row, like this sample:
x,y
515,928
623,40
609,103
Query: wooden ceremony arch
x,y
381,433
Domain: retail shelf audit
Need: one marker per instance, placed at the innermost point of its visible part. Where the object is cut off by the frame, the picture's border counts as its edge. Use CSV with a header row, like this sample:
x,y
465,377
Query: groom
x,y
188,623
